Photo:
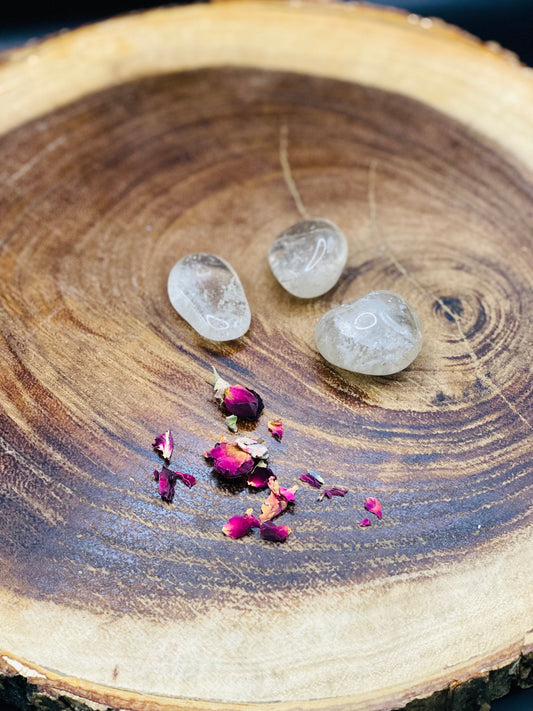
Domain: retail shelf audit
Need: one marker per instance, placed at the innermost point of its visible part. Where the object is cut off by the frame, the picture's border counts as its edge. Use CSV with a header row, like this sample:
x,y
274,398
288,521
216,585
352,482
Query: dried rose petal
x,y
365,522
271,532
229,460
231,421
255,448
276,427
288,494
164,444
312,479
334,491
188,479
239,526
237,399
273,506
167,483
278,500
373,505
260,476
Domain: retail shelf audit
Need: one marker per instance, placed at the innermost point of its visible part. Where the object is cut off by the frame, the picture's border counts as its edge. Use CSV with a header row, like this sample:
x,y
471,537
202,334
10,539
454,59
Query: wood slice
x,y
127,145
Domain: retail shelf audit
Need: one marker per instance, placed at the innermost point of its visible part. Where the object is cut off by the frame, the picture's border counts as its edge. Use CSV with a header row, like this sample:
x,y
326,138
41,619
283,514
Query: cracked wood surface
x,y
127,145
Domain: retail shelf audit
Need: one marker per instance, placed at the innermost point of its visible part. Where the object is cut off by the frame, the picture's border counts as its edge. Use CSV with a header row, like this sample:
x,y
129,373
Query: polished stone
x,y
379,334
308,258
206,291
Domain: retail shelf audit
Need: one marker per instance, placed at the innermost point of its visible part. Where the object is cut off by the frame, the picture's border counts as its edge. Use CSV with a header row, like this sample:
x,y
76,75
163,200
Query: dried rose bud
x,y
365,522
278,500
239,526
255,447
245,403
334,491
188,479
270,532
164,444
238,400
312,479
229,461
373,505
167,483
276,427
260,476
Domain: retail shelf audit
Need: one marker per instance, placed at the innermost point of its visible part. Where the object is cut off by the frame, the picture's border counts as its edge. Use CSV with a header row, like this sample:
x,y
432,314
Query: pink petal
x,y
273,506
277,502
259,477
167,483
373,505
365,522
271,532
312,479
239,526
276,427
164,444
188,479
229,461
288,494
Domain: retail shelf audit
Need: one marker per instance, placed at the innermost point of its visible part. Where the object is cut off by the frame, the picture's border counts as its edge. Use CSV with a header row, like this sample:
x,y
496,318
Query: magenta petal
x,y
311,479
239,526
229,460
243,402
288,494
164,444
365,522
271,532
276,428
187,479
373,505
259,477
334,491
167,484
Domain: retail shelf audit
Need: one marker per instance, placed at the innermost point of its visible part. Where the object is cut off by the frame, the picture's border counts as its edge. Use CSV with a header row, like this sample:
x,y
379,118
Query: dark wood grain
x,y
99,199
90,342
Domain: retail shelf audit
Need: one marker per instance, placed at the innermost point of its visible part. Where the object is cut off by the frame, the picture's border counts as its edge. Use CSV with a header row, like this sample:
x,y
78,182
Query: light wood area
x,y
125,146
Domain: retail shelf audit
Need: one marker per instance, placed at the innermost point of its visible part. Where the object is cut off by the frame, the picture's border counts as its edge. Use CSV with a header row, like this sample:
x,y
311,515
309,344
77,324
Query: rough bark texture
x,y
127,145
17,693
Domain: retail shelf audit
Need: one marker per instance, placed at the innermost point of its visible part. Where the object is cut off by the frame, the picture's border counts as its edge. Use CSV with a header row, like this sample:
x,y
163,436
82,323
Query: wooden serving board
x,y
125,146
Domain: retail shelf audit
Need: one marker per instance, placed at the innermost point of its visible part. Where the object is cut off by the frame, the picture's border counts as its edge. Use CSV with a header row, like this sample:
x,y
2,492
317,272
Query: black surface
x,y
509,22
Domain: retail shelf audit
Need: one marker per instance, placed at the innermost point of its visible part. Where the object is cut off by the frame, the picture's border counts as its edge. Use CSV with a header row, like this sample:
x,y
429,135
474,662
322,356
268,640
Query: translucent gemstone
x,y
379,334
308,258
206,291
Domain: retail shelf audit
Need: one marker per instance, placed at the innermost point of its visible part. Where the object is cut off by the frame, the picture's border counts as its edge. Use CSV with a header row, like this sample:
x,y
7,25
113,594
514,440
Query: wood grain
x,y
114,596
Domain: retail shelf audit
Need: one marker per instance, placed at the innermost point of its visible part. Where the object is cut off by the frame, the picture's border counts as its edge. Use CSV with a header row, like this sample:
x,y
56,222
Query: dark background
x,y
509,22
